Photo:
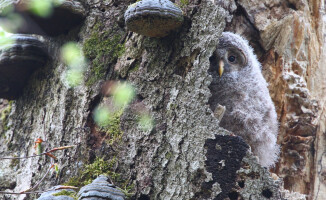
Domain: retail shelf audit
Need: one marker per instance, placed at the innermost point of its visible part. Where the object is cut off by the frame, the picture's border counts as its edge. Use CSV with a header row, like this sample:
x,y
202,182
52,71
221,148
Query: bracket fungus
x,y
55,193
100,189
18,60
60,20
153,18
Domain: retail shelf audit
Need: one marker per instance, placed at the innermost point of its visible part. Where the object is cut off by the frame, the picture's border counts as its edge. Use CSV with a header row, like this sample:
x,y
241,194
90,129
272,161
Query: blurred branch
x,y
38,192
37,184
48,153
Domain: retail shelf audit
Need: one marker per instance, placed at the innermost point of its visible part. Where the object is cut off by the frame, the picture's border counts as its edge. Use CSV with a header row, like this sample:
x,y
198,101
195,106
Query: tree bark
x,y
186,155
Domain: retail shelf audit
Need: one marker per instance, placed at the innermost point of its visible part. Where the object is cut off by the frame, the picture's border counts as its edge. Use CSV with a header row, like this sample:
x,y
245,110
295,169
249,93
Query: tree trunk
x,y
290,39
185,155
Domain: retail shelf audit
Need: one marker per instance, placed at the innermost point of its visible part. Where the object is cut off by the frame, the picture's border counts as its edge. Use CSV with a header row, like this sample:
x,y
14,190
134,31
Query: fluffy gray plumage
x,y
243,90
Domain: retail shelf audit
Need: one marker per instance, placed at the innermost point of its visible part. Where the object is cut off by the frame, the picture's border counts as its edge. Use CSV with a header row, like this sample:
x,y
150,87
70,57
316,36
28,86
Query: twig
x,y
39,192
3,158
44,153
4,192
110,180
37,184
61,148
48,153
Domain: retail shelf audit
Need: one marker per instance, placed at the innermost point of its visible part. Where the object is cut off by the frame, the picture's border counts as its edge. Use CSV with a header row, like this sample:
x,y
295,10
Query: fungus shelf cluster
x,y
27,51
153,18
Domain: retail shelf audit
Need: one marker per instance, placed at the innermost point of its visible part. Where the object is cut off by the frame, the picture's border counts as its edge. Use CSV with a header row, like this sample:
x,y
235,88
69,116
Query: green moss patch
x,y
66,193
184,3
113,129
102,49
98,167
4,116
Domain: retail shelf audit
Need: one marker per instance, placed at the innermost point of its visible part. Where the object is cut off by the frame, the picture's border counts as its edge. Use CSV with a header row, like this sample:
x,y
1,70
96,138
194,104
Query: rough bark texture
x,y
186,155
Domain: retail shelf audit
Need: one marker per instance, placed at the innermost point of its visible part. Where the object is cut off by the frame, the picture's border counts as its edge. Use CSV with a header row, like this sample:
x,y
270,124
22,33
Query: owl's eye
x,y
231,59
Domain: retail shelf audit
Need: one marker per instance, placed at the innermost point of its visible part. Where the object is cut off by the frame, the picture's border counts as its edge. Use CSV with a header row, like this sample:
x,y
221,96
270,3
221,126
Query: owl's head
x,y
233,55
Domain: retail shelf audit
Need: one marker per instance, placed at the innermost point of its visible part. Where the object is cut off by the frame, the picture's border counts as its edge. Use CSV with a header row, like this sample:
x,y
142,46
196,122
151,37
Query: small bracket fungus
x,y
57,194
153,18
19,58
100,189
60,20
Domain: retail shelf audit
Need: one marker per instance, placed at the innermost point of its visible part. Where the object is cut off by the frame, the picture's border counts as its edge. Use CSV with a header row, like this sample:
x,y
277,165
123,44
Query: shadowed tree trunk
x,y
185,155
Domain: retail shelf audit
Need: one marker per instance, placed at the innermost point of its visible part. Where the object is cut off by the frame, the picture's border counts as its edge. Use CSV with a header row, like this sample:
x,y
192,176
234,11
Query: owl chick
x,y
239,85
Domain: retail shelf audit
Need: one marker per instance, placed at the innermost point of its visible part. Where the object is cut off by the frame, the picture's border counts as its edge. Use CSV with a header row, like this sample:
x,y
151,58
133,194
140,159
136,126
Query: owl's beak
x,y
220,67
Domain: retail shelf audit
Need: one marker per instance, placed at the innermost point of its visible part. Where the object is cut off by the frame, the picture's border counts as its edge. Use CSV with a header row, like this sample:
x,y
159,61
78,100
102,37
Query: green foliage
x,y
72,56
98,167
102,50
102,116
74,77
146,122
123,94
43,8
5,39
66,193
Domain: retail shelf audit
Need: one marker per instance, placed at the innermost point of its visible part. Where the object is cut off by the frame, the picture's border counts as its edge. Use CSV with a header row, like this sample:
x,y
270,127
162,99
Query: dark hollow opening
x,y
233,195
292,6
241,184
213,71
267,193
144,197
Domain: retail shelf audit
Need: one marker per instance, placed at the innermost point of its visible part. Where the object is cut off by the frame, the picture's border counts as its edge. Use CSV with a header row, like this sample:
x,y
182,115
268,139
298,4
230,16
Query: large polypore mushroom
x,y
153,18
18,60
100,189
63,18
